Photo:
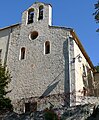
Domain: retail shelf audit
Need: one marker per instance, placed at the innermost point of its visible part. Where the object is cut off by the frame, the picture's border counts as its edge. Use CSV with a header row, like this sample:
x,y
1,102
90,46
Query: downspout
x,y
7,47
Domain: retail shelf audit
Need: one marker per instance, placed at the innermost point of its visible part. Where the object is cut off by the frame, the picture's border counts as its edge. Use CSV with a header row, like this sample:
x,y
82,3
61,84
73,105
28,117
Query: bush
x,y
5,103
50,115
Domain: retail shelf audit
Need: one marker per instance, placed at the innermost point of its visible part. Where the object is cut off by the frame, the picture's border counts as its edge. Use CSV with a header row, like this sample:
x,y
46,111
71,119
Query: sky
x,y
76,14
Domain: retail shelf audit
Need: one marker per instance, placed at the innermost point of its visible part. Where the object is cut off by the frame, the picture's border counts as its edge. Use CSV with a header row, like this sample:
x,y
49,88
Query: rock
x,y
80,112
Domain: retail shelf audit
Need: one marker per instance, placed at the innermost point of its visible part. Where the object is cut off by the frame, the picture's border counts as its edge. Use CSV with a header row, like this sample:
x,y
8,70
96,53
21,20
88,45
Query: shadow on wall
x,y
66,77
51,86
49,89
54,83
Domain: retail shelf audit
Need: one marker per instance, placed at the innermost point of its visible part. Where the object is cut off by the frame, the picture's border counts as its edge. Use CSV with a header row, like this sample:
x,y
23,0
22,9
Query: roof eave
x,y
82,48
10,26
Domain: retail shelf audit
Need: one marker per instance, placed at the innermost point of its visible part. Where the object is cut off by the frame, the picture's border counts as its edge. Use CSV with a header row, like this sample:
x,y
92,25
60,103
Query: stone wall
x,y
96,79
81,112
39,73
4,37
81,76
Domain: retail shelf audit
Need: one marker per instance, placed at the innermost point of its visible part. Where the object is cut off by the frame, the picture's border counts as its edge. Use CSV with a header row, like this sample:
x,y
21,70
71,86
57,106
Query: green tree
x,y
5,103
96,14
97,68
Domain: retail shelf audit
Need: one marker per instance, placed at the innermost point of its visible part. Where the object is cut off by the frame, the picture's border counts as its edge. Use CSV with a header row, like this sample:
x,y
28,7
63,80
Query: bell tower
x,y
38,13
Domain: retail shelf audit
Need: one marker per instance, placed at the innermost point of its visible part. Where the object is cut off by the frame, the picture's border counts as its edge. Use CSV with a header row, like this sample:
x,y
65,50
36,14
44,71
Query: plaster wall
x,y
79,83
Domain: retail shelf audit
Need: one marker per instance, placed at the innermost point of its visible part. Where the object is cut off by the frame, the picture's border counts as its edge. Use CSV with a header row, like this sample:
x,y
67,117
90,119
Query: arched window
x,y
31,16
47,47
84,71
40,13
22,53
84,91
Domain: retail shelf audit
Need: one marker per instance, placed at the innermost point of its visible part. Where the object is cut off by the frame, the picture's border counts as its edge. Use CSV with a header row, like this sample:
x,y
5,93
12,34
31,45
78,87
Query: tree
x,y
5,103
97,68
96,14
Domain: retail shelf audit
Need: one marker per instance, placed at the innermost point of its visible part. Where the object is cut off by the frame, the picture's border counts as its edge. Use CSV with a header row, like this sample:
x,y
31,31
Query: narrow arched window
x,y
22,53
40,13
84,71
31,16
47,47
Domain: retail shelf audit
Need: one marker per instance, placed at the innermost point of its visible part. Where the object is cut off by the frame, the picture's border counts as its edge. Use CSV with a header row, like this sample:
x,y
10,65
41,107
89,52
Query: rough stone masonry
x,y
44,61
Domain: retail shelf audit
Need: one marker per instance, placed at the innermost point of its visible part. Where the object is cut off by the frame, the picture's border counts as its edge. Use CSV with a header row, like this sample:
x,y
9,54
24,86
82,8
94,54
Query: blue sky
x,y
76,14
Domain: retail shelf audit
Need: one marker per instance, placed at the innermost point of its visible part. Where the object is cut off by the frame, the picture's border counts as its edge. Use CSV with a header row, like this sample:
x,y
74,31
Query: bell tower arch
x,y
38,13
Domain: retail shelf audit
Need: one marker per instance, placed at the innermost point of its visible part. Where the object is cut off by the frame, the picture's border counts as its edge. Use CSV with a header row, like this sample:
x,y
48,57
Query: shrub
x,y
50,115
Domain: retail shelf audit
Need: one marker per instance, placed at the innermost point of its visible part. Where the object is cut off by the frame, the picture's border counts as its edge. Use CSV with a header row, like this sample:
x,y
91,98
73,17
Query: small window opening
x,y
40,12
22,53
31,107
27,107
31,16
47,47
33,35
84,71
84,91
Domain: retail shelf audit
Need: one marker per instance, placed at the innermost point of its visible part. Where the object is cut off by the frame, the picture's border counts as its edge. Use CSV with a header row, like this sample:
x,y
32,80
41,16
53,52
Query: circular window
x,y
33,35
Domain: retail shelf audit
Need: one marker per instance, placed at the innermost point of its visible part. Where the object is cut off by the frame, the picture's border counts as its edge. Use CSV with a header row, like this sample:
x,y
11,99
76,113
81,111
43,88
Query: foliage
x,y
49,114
5,103
97,68
96,14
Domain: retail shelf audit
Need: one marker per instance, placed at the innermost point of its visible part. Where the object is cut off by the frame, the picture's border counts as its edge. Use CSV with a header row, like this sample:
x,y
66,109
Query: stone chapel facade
x,y
48,64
